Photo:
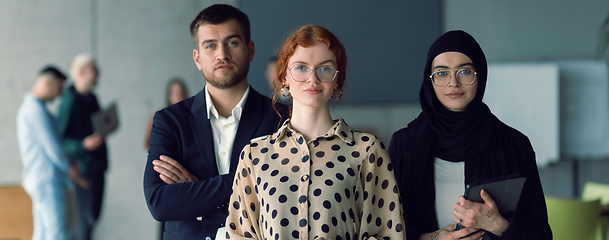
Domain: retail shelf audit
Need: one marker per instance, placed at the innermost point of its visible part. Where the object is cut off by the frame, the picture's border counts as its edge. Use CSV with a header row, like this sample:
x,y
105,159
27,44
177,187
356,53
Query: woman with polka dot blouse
x,y
315,178
456,140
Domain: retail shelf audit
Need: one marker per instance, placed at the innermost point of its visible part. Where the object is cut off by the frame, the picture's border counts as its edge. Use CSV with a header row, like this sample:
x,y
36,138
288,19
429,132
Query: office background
x,y
141,44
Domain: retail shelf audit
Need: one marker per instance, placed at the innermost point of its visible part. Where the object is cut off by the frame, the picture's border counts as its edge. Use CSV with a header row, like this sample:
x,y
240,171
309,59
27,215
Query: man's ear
x,y
252,49
195,57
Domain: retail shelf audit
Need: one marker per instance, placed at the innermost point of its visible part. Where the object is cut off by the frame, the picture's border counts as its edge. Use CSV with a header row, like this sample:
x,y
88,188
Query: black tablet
x,y
105,121
504,190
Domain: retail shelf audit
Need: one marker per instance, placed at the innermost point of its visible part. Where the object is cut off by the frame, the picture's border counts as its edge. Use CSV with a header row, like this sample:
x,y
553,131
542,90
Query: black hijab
x,y
488,147
468,136
459,136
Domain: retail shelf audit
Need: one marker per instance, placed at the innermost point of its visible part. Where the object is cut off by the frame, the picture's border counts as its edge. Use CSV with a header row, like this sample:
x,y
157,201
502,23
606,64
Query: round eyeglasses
x,y
441,78
301,73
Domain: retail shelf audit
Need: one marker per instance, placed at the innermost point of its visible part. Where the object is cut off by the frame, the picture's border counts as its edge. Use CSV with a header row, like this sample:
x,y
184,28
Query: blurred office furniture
x,y
526,96
584,108
594,191
599,191
15,213
561,106
574,219
584,114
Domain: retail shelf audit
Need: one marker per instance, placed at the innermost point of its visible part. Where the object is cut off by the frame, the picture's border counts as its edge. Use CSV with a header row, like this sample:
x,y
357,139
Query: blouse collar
x,y
340,129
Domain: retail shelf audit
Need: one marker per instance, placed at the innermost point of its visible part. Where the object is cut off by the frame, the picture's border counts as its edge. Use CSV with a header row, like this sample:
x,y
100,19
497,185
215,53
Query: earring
x,y
285,92
340,94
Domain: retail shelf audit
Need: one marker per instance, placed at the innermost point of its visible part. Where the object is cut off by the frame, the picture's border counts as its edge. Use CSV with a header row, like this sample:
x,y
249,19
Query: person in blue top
x,y
46,167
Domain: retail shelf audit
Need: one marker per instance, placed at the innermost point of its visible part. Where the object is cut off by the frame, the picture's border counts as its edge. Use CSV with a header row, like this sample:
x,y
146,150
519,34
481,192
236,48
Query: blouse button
x,y
303,205
305,177
303,235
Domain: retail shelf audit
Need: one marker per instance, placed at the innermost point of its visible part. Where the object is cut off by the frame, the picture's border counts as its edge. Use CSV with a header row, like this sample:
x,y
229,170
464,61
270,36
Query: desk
x,y
15,213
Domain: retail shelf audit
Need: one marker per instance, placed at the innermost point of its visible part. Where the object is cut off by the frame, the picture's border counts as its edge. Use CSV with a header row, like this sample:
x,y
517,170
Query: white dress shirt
x,y
224,131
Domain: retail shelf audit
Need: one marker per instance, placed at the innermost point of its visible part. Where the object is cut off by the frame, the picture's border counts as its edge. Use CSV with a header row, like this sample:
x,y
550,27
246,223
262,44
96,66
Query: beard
x,y
229,79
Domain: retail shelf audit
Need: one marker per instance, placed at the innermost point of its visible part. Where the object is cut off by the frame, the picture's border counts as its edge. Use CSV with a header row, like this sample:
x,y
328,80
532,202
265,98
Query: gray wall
x,y
386,43
524,30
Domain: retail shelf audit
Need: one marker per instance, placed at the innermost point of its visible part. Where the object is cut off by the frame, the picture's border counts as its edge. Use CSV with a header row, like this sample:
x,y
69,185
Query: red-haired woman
x,y
315,178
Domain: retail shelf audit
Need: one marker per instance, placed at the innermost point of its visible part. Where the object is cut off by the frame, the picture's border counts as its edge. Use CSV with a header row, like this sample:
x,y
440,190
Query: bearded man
x,y
195,144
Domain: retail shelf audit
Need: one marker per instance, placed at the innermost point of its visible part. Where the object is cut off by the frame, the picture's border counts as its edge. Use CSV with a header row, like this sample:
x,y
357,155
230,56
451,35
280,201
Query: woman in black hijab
x,y
456,140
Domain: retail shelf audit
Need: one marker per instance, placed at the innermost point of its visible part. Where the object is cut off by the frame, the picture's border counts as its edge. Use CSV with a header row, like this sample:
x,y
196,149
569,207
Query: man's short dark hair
x,y
217,14
53,71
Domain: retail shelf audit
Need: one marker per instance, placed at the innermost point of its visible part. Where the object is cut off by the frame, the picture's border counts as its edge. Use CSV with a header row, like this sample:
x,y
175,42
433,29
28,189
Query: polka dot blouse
x,y
339,186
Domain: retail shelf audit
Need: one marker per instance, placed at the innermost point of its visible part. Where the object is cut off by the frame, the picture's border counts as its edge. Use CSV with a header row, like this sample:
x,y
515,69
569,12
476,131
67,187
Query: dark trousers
x,y
88,205
162,230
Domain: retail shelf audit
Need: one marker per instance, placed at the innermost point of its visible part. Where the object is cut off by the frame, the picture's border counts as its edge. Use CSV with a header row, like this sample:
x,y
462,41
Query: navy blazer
x,y
183,132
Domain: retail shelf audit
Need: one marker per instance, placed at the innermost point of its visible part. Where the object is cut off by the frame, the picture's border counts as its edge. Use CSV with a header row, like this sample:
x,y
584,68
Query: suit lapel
x,y
250,120
202,133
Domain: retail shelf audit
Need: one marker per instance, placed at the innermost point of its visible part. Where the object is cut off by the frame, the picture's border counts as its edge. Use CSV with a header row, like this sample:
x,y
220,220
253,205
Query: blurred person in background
x,y
46,167
87,148
176,92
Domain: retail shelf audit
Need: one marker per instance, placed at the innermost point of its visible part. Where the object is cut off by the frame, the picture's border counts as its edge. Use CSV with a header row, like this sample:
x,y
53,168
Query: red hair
x,y
306,36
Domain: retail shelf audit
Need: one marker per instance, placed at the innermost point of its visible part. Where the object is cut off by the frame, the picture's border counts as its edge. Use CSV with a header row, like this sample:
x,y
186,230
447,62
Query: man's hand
x,y
75,176
92,142
171,171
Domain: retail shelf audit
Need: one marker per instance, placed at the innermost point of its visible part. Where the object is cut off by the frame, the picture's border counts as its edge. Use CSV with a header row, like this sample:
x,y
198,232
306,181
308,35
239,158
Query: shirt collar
x,y
237,110
340,129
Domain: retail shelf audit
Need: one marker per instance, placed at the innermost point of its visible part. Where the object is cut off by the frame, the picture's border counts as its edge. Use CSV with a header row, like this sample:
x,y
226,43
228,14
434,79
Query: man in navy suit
x,y
195,144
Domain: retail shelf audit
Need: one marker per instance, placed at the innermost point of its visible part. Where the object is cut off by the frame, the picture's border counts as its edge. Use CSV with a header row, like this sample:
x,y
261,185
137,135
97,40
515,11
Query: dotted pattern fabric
x,y
339,186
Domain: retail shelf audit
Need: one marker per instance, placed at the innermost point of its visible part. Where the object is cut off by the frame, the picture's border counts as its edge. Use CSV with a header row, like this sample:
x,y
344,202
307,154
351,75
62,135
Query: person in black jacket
x,y
87,148
456,140
195,144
